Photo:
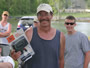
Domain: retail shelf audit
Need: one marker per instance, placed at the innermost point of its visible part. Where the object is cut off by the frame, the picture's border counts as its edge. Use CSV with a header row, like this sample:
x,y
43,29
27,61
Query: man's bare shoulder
x,y
62,35
29,30
62,38
28,33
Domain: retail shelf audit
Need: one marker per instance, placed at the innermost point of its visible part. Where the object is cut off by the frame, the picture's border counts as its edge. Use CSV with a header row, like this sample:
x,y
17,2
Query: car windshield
x,y
25,22
27,19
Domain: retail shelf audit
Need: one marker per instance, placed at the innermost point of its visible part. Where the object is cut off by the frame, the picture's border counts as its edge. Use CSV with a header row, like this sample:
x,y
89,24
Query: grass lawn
x,y
14,23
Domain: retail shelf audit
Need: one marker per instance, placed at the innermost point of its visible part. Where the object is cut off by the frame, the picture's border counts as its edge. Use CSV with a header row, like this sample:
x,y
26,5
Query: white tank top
x,y
3,29
7,59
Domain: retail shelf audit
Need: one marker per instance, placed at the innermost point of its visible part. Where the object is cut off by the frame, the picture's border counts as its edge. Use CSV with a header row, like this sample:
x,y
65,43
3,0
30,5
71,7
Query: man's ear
x,y
51,16
0,50
75,24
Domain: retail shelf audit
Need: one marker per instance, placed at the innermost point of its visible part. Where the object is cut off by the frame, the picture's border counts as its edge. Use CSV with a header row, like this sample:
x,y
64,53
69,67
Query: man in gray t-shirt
x,y
77,49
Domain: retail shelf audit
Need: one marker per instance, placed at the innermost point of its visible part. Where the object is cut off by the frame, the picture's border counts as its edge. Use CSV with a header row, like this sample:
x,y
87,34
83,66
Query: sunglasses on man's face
x,y
5,15
71,23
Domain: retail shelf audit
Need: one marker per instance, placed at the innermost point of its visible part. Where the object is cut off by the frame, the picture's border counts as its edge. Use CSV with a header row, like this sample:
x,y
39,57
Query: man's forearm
x,y
62,63
4,34
87,59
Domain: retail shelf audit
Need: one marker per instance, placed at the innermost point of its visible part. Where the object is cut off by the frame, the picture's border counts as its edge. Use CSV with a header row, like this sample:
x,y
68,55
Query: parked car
x,y
25,22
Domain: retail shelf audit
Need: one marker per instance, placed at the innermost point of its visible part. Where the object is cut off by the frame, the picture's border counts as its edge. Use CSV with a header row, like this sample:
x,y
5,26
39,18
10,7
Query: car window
x,y
25,22
27,19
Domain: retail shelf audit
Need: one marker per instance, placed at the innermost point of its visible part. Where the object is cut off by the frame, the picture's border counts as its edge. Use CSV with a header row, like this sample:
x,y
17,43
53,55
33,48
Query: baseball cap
x,y
44,7
5,12
35,19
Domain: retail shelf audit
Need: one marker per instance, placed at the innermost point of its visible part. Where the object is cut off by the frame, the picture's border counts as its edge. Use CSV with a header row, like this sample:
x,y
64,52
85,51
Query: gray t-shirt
x,y
76,47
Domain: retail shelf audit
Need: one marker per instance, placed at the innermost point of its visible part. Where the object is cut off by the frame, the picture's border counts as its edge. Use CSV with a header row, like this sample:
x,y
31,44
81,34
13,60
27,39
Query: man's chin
x,y
69,30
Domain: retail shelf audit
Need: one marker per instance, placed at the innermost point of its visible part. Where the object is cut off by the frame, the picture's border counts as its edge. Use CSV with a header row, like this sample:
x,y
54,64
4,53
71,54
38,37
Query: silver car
x,y
25,22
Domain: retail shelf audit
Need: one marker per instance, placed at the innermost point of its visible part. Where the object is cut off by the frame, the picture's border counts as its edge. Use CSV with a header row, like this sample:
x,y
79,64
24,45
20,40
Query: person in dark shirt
x,y
47,42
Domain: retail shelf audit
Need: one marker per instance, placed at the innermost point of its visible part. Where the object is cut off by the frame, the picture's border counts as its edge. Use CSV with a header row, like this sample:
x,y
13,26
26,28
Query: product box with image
x,y
19,42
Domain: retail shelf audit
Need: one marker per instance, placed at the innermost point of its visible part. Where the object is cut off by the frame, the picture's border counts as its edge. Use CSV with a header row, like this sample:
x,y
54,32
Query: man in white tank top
x,y
5,30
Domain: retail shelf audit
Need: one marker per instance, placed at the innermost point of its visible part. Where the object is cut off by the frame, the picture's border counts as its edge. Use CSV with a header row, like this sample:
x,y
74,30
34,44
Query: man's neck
x,y
46,33
44,29
71,32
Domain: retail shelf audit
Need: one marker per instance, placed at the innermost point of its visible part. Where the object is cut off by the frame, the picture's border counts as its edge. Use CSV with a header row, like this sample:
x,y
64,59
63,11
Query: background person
x,y
5,30
77,49
47,42
36,22
6,61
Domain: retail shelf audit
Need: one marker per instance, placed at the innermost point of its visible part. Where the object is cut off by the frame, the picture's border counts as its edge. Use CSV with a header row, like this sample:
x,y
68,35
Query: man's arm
x,y
62,48
29,33
7,33
87,59
6,65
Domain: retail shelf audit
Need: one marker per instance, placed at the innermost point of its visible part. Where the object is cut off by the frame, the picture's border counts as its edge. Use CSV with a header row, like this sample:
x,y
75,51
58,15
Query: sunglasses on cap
x,y
71,23
5,15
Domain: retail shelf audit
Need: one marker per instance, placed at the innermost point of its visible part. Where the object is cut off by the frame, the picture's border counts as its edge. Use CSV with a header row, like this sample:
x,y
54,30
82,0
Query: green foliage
x,y
88,4
25,7
22,7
